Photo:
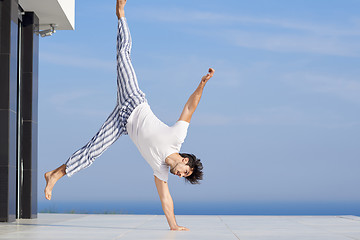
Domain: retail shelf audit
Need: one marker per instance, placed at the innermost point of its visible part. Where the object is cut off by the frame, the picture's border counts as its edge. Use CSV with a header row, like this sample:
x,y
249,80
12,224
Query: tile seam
x,y
227,226
131,230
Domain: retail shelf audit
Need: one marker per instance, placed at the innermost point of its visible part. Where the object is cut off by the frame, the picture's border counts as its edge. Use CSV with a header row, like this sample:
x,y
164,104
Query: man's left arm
x,y
167,204
194,99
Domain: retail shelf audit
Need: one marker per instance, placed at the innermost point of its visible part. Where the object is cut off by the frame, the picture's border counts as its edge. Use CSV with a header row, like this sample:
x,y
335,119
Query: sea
x,y
203,208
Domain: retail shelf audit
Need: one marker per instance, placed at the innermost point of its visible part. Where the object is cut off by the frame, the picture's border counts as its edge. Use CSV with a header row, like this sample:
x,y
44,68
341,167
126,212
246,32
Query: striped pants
x,y
129,96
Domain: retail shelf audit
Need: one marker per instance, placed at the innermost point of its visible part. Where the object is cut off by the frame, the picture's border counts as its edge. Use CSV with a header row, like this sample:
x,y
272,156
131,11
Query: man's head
x,y
195,166
181,168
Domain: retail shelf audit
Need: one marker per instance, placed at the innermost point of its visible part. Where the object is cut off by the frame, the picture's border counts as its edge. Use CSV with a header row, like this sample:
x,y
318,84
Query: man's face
x,y
181,169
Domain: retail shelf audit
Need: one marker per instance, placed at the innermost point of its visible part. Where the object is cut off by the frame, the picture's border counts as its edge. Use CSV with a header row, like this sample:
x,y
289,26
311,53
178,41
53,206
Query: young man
x,y
158,143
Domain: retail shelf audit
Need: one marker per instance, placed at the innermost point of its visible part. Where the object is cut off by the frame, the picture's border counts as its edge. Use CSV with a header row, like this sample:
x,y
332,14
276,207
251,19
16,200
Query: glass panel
x,y
19,164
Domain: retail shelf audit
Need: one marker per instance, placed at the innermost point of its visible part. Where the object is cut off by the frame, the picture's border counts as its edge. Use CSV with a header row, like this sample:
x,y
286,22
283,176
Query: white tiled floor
x,y
147,227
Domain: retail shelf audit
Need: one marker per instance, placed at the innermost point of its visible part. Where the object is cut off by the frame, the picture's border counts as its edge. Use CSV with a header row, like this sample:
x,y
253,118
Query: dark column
x,y
29,115
8,107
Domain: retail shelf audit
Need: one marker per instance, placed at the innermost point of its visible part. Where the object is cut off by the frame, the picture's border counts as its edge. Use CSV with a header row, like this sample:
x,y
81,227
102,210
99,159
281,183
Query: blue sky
x,y
278,122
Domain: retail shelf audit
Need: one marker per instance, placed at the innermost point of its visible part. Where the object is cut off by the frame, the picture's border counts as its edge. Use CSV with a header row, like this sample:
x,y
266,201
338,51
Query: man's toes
x,y
48,196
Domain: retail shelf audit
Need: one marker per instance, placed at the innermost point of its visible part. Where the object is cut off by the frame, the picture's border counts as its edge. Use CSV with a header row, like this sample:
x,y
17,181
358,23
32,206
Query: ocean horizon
x,y
203,208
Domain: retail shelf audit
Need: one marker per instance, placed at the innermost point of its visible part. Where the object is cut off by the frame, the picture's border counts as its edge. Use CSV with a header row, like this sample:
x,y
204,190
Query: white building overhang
x,y
59,12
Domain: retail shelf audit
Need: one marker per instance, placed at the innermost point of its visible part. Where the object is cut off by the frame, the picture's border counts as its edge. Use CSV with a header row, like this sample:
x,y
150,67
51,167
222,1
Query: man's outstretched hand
x,y
206,78
179,228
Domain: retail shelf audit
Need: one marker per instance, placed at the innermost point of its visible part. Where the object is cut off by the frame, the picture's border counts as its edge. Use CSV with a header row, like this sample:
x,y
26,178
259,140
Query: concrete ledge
x,y
60,12
107,226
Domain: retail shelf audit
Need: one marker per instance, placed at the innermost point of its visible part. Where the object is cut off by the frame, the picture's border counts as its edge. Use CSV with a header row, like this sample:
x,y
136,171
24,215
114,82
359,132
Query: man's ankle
x,y
120,13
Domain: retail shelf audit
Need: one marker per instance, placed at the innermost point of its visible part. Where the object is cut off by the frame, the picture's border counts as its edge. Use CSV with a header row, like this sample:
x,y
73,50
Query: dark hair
x,y
195,164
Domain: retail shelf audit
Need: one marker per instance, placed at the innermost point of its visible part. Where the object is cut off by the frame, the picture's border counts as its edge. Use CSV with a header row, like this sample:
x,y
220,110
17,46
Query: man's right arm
x,y
167,204
194,99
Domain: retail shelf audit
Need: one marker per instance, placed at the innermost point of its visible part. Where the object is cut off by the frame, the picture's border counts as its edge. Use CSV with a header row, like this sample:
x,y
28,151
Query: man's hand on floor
x,y
179,228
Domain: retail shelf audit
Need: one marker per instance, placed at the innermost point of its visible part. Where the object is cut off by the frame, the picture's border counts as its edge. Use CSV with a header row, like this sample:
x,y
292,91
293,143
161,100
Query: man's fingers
x,y
211,72
209,75
179,228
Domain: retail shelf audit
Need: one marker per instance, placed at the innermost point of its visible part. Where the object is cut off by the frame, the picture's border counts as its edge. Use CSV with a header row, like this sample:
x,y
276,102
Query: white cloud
x,y
280,115
284,35
268,116
274,116
78,61
189,69
196,17
344,88
63,103
213,119
68,97
292,43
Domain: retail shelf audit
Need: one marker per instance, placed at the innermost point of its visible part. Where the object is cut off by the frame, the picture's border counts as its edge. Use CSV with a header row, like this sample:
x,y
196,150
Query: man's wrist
x,y
202,84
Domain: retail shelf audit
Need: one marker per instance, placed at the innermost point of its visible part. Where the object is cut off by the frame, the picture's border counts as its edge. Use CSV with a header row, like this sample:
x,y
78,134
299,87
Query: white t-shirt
x,y
154,139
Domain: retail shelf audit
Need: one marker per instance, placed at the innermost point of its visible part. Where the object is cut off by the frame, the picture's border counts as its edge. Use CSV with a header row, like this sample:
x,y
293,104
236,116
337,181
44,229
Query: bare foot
x,y
51,178
120,5
49,185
